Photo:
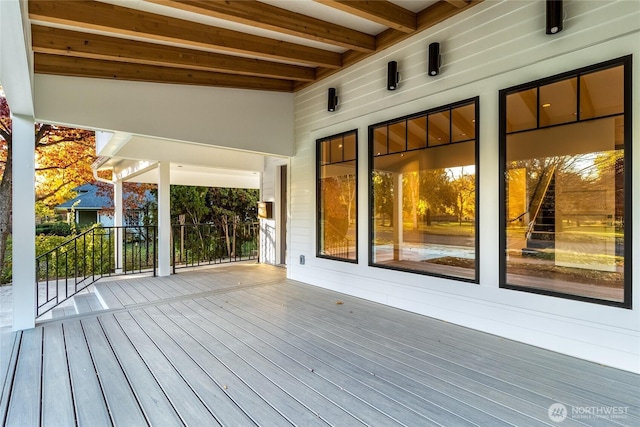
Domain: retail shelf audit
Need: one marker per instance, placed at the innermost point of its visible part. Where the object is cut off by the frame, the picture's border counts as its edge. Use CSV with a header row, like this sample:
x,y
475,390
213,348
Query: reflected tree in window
x,y
423,207
564,216
337,197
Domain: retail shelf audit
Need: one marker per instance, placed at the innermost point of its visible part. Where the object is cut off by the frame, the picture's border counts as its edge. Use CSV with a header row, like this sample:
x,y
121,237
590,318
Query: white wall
x,y
270,191
250,120
493,46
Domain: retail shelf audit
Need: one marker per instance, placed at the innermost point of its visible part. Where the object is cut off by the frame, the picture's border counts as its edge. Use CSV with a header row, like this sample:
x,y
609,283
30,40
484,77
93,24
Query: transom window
x,y
566,191
423,188
337,194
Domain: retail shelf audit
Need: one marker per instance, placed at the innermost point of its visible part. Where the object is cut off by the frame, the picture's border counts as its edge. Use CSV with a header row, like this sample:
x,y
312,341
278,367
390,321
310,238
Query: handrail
x,y
538,198
205,244
75,264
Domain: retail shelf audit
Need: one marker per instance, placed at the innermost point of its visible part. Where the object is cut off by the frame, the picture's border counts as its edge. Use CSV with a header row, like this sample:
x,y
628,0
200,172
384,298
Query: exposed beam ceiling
x,y
267,45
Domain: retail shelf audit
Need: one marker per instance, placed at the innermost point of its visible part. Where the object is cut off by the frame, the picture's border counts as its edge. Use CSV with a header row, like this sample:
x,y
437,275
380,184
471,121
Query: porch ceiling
x,y
271,45
134,158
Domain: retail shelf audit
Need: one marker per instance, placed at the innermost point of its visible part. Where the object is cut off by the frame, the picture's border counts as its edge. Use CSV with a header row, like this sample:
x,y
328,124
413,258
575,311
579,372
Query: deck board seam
x,y
117,310
406,366
380,390
576,395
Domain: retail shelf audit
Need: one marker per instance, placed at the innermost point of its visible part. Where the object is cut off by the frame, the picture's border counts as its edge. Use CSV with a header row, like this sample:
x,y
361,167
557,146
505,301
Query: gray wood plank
x,y
57,400
122,296
476,352
122,403
9,345
153,399
462,396
133,293
467,340
395,402
331,402
283,391
104,293
211,391
91,409
239,392
24,409
186,402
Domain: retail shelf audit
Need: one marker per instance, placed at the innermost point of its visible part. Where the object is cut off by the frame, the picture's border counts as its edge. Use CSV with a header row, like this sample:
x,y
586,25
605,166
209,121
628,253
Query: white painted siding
x,y
496,45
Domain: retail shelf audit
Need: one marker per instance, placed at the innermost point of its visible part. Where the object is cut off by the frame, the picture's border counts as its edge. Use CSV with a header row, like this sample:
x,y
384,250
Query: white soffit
x,y
180,152
201,177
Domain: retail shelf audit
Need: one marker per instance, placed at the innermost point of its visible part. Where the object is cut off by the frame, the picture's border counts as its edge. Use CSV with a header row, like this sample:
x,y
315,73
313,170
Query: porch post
x,y
164,219
23,222
118,221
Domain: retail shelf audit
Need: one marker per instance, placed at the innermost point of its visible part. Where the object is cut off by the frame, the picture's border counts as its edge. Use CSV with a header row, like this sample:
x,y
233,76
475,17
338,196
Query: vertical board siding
x,y
495,45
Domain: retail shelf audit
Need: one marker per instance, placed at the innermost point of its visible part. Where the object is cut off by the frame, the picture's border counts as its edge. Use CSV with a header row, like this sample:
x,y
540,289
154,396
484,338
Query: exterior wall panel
x,y
494,46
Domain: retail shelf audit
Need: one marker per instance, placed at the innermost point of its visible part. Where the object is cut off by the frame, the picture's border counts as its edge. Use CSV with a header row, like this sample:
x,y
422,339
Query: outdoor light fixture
x,y
554,16
332,99
435,61
393,76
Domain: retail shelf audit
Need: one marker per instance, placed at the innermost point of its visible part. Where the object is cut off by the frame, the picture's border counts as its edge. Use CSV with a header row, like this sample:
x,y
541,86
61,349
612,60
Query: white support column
x,y
164,219
398,226
118,221
23,223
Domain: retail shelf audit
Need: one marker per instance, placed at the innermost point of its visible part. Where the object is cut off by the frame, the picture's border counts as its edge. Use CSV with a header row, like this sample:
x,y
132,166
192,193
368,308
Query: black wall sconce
x,y
435,61
393,76
332,99
554,16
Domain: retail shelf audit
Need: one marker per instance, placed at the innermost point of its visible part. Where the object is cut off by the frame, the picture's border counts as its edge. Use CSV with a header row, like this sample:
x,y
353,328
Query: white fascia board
x,y
16,70
134,169
109,143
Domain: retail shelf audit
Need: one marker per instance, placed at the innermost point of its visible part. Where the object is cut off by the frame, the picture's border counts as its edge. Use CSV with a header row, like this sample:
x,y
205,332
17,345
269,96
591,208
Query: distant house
x,y
93,205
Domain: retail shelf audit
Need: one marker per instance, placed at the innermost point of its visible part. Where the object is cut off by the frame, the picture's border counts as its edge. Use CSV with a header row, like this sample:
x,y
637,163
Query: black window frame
x,y
626,62
319,165
449,107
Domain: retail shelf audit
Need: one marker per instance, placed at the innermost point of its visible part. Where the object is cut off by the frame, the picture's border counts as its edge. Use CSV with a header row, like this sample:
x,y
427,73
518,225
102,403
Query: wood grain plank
x,y
57,400
492,356
9,345
390,398
122,403
284,357
186,402
153,399
289,389
107,296
407,368
24,409
91,409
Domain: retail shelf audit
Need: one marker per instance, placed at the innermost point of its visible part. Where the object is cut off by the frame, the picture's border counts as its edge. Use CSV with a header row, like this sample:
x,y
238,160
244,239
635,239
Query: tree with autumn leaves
x,y
63,158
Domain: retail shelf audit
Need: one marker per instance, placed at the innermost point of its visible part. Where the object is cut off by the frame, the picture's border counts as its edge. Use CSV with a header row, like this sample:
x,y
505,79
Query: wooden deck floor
x,y
243,346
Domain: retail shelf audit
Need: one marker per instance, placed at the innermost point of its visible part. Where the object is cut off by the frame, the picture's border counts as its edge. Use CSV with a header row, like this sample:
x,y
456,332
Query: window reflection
x,y
424,199
565,195
337,197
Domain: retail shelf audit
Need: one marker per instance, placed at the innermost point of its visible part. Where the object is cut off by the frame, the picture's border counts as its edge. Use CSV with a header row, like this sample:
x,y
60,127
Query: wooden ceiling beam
x,y
382,11
268,17
99,16
86,45
426,18
458,3
94,68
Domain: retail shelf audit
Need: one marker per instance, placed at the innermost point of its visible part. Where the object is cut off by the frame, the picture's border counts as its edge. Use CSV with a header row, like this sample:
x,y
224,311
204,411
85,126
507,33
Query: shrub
x,y
53,229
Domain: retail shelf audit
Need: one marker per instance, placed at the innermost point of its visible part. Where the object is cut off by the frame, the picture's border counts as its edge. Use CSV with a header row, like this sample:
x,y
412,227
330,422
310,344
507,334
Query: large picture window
x,y
423,187
565,150
337,195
